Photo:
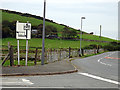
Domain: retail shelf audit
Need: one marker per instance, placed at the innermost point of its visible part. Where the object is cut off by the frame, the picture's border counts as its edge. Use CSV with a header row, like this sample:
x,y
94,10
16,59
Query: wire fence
x,y
51,55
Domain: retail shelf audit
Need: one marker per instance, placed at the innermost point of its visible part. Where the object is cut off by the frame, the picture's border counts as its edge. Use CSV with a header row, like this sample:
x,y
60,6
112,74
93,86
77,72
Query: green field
x,y
95,37
50,43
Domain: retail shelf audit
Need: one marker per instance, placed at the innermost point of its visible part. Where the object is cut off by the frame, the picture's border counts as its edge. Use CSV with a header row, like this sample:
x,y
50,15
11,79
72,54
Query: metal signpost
x,y
43,35
23,31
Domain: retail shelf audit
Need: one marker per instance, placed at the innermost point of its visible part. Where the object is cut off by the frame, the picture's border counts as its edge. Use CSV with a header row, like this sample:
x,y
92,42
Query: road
x,y
100,71
104,65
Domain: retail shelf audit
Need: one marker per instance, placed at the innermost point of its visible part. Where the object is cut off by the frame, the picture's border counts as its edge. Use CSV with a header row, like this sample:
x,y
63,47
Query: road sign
x,y
23,30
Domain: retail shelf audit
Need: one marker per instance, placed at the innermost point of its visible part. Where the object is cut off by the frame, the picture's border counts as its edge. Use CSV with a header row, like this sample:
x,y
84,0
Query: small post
x,y
18,52
94,51
97,48
11,56
60,54
35,62
51,54
69,52
82,52
26,52
8,45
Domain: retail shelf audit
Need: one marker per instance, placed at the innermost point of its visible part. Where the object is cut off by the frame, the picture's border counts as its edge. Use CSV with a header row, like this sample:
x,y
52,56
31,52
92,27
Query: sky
x,y
69,12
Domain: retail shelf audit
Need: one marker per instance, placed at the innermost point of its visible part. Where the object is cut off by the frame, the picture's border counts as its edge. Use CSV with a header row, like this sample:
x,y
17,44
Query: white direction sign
x,y
23,30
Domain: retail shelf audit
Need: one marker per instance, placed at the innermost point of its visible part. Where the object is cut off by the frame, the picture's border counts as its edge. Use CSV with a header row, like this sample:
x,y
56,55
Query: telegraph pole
x,y
100,30
43,35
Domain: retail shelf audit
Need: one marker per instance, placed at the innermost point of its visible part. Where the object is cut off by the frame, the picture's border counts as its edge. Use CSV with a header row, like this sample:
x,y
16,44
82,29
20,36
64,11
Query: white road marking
x,y
99,60
36,87
11,82
16,82
27,81
99,78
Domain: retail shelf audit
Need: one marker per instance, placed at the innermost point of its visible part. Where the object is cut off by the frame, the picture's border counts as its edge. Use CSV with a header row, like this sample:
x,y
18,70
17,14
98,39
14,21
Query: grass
x,y
22,63
92,55
50,43
87,56
95,37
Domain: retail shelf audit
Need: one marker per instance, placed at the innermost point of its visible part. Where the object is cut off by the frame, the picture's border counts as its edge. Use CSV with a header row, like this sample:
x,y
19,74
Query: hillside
x,y
33,19
37,20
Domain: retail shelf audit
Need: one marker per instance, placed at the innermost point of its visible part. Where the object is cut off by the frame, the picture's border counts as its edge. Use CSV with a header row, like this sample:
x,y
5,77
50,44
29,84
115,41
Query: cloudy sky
x,y
69,12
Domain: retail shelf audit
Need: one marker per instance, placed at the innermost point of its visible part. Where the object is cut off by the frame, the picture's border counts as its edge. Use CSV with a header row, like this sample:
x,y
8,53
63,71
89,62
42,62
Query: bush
x,y
118,47
92,46
114,43
113,46
68,34
8,29
109,47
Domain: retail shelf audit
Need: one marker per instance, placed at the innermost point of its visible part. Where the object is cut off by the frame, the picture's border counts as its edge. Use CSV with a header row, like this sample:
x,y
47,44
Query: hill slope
x,y
36,20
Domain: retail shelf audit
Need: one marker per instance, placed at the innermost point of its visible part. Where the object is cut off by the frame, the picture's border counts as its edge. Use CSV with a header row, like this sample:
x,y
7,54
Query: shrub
x,y
109,47
93,46
112,47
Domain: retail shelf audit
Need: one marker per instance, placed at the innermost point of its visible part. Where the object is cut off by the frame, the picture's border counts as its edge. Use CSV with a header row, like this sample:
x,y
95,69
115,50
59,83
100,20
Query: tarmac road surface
x,y
103,65
100,71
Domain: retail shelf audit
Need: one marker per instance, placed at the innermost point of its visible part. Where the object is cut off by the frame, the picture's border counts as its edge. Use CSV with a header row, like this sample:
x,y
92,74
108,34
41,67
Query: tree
x,y
73,33
65,32
68,34
5,23
6,32
39,31
50,30
12,26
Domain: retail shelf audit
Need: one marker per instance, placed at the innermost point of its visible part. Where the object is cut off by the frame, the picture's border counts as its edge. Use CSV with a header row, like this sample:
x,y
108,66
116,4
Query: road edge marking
x,y
99,78
99,60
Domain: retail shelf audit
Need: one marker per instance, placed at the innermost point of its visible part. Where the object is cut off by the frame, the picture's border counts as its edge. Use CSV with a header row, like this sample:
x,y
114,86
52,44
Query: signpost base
x,y
26,52
18,52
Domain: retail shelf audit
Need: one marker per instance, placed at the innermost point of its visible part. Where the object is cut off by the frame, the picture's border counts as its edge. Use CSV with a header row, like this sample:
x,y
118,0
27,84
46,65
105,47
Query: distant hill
x,y
24,17
37,20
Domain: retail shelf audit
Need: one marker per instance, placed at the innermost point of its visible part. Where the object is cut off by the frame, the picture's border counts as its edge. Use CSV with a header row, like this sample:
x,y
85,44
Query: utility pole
x,y
100,30
43,35
81,36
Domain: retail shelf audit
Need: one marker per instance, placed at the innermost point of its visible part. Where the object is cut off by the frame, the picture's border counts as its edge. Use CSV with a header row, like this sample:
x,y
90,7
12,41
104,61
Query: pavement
x,y
58,67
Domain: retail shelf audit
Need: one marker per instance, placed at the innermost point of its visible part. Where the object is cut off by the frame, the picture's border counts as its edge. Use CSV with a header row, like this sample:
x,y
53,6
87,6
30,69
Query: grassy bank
x,y
50,43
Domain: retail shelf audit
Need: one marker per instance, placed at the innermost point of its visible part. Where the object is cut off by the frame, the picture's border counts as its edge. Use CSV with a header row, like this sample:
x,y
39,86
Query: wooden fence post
x,y
69,52
51,54
98,49
35,62
8,45
11,56
94,51
82,52
6,58
60,54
